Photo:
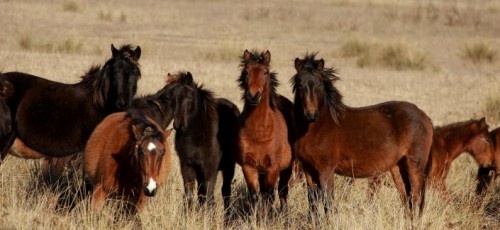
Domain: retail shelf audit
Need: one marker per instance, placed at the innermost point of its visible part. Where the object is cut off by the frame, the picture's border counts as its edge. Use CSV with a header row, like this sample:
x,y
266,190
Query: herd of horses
x,y
126,154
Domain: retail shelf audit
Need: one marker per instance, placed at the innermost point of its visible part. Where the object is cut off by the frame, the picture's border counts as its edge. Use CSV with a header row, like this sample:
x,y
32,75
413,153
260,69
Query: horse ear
x,y
137,52
298,64
267,57
170,77
482,124
247,56
189,78
114,51
321,64
136,130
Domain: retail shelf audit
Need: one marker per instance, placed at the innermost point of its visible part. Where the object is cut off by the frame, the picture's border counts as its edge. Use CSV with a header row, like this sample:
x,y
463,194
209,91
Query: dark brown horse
x,y
127,156
205,138
357,142
265,152
6,91
486,175
56,119
451,141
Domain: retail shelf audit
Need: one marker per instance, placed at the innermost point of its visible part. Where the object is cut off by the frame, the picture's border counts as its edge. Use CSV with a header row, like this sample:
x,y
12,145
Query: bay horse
x,y
205,139
451,141
265,151
126,157
356,142
55,119
486,175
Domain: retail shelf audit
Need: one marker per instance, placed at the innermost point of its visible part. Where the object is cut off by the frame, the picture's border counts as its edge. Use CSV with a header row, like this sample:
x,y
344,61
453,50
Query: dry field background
x,y
440,55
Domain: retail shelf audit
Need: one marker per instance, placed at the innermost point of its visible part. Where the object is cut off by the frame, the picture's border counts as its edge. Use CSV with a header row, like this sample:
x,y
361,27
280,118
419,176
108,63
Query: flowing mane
x,y
333,97
243,83
459,129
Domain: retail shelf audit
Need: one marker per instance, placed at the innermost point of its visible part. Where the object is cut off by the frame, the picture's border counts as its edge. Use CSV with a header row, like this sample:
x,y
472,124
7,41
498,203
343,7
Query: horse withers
x,y
127,157
356,142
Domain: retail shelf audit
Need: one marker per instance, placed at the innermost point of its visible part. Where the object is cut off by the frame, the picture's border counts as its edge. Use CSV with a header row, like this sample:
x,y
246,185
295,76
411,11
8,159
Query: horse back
x,y
105,145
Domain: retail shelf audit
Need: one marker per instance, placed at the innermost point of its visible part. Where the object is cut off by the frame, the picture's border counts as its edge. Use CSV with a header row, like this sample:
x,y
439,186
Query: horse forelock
x,y
255,57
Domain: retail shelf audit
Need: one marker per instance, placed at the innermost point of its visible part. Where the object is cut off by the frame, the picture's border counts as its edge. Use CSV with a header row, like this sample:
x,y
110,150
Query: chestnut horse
x,y
451,141
265,151
205,138
486,175
54,119
357,142
127,156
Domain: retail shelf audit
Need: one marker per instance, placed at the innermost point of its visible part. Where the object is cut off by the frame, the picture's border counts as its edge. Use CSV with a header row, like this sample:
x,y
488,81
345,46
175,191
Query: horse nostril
x,y
120,105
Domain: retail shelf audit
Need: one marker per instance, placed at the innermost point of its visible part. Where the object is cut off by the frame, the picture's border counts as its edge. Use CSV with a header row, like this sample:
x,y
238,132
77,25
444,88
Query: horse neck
x,y
324,120
92,85
456,140
200,119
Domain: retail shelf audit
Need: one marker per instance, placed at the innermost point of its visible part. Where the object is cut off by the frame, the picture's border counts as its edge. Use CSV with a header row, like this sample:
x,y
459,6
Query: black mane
x,y
242,80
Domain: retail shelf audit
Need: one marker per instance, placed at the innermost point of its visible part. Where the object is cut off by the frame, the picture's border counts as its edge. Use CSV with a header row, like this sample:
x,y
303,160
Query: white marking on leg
x,y
151,146
151,185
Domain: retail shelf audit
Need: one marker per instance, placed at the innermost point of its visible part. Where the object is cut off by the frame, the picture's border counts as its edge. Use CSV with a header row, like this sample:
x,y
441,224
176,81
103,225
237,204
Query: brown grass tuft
x,y
479,53
71,6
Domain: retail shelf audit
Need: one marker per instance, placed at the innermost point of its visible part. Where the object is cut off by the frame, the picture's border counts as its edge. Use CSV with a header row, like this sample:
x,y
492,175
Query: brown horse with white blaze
x,y
127,156
265,152
356,142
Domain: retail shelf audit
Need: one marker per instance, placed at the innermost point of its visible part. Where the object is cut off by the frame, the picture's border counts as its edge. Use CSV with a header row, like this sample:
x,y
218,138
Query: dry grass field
x,y
441,55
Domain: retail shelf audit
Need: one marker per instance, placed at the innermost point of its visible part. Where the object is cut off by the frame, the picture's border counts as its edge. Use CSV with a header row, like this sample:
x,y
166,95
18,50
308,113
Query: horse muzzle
x,y
254,99
150,188
312,116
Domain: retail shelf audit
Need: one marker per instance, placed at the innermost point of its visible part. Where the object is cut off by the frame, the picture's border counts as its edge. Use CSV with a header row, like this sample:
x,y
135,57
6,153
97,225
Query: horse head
x,y
123,73
480,144
149,150
256,80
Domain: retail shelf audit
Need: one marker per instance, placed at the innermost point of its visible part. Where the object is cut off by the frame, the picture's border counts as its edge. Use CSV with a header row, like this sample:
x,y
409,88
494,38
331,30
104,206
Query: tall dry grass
x,y
206,38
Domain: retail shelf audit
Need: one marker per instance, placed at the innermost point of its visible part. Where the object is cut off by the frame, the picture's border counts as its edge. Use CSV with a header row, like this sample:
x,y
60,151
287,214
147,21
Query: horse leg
x,y
227,178
283,187
402,180
312,196
416,171
189,178
270,182
327,182
374,185
252,179
98,197
209,181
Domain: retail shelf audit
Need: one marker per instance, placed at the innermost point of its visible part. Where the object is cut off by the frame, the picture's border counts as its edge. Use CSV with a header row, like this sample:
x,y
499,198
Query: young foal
x,y
357,142
205,138
451,141
265,152
56,119
125,157
486,175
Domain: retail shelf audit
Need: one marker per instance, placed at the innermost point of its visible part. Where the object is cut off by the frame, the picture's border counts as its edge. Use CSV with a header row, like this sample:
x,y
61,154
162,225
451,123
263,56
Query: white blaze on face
x,y
151,185
151,146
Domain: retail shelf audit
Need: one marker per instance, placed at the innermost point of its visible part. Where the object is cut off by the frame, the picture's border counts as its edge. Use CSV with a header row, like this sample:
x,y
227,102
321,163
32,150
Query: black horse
x,y
56,119
206,138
